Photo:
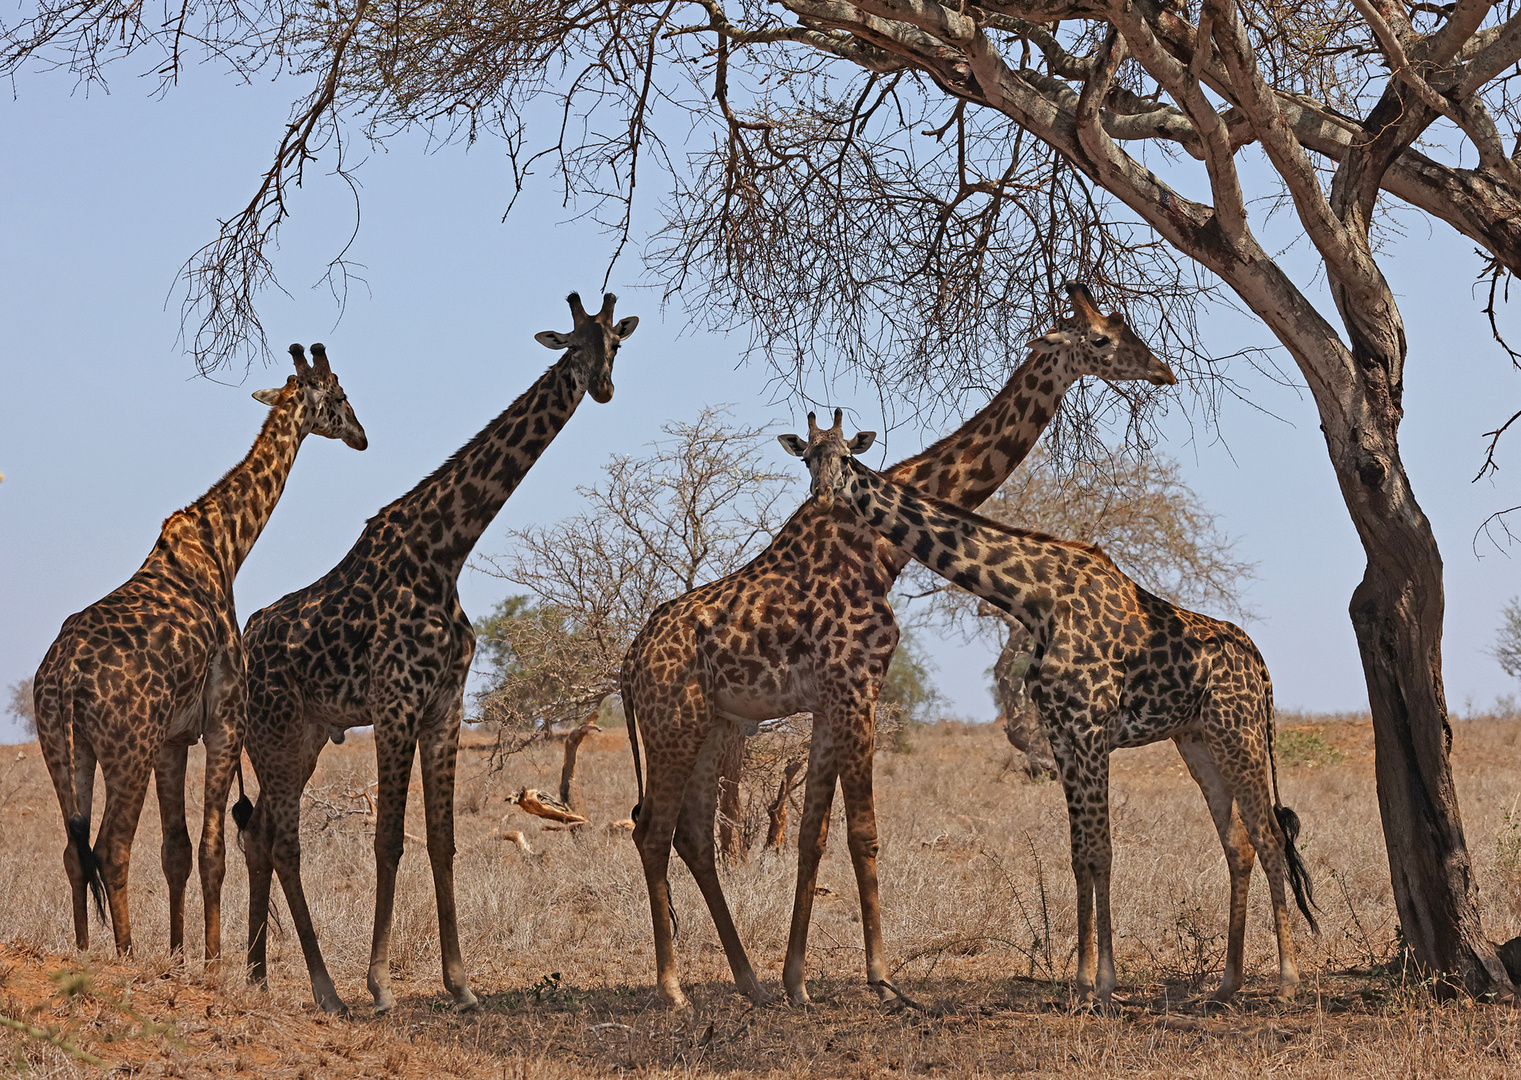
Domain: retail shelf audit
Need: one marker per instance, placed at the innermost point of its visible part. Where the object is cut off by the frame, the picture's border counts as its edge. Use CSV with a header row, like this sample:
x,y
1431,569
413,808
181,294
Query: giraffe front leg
x,y
439,748
813,833
394,748
854,754
224,745
175,850
1085,781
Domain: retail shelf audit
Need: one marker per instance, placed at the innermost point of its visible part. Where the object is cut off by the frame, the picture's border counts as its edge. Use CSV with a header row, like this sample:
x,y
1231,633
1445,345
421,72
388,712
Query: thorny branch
x,y
815,200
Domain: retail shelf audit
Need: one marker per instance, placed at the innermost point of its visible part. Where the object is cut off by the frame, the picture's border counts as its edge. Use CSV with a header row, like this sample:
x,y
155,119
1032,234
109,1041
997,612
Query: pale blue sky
x,y
104,431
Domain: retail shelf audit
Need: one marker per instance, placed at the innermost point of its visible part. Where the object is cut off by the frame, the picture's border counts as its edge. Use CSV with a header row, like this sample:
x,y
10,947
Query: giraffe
x,y
381,639
137,677
1113,666
806,627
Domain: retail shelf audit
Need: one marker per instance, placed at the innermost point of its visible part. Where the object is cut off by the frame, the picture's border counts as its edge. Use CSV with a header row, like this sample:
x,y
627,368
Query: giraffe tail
x,y
1288,823
79,832
242,810
48,700
633,742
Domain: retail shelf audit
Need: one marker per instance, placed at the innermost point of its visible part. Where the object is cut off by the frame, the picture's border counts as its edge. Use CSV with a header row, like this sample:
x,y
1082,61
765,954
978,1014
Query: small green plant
x,y
1304,746
550,991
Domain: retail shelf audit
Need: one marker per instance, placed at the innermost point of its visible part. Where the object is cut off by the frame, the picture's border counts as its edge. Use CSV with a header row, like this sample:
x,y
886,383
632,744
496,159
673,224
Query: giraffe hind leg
x,y
1248,775
1239,853
653,836
694,843
175,850
80,863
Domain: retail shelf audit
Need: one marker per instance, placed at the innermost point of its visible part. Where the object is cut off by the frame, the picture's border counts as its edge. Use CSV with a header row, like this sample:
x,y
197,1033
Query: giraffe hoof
x,y
466,1003
757,993
674,1000
334,1007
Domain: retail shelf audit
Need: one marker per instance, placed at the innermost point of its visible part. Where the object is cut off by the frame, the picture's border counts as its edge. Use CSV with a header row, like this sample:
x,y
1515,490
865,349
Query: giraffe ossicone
x,y
1112,666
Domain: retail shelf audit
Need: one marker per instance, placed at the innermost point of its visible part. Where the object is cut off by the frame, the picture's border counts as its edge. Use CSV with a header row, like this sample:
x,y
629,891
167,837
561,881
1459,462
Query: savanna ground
x,y
978,917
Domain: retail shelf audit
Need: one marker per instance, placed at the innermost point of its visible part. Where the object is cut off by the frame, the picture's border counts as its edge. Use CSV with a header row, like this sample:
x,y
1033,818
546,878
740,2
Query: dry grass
x,y
978,916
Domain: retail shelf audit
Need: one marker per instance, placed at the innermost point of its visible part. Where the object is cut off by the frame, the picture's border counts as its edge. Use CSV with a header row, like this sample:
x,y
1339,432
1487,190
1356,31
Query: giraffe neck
x,y
447,512
229,518
970,464
996,562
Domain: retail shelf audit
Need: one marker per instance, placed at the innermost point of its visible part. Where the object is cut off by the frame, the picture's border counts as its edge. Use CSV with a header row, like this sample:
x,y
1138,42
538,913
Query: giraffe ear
x,y
625,327
792,444
552,339
862,442
1049,343
267,397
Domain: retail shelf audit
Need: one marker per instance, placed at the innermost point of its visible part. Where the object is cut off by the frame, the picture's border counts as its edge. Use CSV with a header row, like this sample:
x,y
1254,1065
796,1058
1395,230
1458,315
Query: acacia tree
x,y
882,183
698,506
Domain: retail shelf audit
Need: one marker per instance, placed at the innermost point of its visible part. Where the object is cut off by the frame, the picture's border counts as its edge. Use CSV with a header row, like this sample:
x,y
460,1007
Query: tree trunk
x,y
731,762
570,786
776,832
1397,614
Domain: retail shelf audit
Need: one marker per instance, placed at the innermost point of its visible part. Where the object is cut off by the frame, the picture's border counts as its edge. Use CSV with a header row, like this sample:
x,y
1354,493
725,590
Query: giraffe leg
x,y
175,851
659,812
226,722
257,844
1245,768
694,843
83,781
1239,854
280,808
394,749
438,747
1084,767
813,833
854,753
126,787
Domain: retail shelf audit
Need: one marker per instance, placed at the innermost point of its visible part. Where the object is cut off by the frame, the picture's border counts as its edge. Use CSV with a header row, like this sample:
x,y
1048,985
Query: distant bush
x,y
1304,746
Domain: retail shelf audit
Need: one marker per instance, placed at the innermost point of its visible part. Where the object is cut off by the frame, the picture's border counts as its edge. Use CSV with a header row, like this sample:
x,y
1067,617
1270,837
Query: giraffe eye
x,y
1100,340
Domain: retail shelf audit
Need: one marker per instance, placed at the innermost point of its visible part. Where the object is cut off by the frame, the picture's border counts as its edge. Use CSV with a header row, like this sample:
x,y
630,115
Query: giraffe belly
x,y
768,698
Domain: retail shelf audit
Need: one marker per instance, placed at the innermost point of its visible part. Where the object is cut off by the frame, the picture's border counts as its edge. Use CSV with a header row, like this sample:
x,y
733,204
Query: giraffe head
x,y
826,453
1104,345
591,344
328,412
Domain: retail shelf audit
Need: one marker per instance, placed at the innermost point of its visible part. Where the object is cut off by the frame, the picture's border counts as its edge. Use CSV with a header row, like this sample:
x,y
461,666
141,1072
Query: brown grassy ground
x,y
978,914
